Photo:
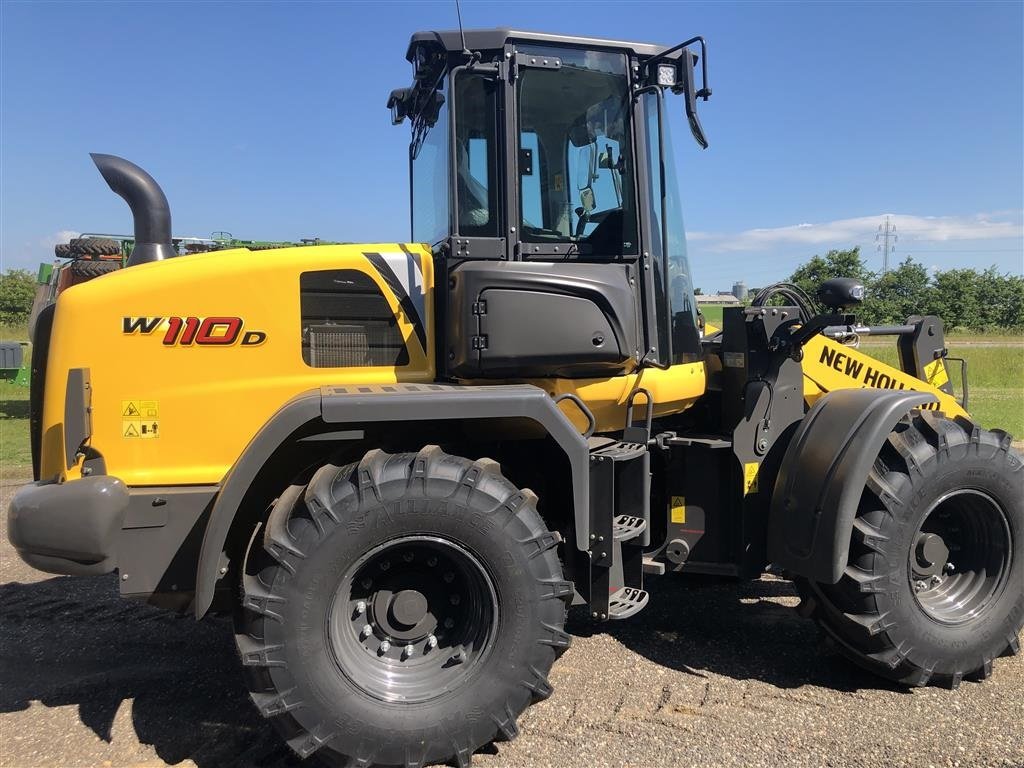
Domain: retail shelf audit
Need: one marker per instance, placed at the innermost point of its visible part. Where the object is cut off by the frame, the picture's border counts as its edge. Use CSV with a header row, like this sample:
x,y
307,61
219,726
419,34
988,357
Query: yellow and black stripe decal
x,y
404,276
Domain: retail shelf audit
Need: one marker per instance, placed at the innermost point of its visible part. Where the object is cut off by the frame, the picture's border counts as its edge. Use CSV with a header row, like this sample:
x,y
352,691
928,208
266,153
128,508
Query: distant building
x,y
726,299
739,290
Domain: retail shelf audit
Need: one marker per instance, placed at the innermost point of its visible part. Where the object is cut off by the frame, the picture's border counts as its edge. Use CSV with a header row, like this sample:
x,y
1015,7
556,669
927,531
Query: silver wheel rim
x,y
413,619
960,557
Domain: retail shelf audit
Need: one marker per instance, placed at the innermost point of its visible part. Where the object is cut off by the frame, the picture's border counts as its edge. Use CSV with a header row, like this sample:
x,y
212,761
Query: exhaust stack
x,y
150,211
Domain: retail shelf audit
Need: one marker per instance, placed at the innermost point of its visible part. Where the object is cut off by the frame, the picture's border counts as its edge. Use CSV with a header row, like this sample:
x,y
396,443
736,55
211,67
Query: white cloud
x,y
1001,225
61,236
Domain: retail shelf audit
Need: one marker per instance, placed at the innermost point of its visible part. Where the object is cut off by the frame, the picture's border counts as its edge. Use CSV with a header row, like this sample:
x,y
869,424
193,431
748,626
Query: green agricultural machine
x,y
89,256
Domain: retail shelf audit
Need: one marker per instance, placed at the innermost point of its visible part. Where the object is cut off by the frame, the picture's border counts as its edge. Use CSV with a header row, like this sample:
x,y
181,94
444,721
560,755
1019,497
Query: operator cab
x,y
542,176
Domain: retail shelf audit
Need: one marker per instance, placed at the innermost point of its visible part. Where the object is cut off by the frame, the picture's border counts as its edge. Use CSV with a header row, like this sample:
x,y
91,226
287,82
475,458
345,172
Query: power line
x,y
886,232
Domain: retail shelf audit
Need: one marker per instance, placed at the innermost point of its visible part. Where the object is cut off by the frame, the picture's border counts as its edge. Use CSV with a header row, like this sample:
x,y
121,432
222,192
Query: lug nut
x,y
365,632
920,586
367,583
449,577
431,643
454,599
407,557
949,568
385,564
449,623
385,646
407,652
936,580
431,561
360,608
458,658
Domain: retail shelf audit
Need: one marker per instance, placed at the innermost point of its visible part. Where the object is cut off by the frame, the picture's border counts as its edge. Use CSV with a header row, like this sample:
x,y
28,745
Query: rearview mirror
x,y
689,88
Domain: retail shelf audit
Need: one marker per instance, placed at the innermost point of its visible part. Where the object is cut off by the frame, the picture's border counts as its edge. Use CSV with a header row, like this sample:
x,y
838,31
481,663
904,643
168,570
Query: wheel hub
x,y
412,618
931,555
960,557
408,607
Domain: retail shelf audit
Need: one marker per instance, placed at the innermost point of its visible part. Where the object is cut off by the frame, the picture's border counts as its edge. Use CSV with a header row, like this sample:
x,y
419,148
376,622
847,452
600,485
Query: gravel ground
x,y
711,674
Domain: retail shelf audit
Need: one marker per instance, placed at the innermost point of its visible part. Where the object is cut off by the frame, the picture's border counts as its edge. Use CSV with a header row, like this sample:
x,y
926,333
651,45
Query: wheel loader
x,y
397,465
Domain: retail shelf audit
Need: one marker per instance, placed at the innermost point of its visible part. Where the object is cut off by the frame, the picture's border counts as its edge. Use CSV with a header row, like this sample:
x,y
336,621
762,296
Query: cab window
x,y
576,179
476,155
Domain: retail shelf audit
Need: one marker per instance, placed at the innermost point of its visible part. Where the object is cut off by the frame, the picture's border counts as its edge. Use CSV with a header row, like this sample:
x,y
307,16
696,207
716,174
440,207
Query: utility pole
x,y
886,239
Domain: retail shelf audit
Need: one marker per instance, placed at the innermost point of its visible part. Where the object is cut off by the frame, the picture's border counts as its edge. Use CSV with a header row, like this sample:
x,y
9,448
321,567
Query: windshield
x,y
674,292
428,154
576,179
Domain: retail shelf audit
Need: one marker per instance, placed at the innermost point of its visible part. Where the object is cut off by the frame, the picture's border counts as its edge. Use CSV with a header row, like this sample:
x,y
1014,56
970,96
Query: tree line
x,y
17,291
967,299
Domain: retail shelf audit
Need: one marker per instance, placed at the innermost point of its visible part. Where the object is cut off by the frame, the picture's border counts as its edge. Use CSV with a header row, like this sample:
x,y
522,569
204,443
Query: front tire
x,y
402,610
933,590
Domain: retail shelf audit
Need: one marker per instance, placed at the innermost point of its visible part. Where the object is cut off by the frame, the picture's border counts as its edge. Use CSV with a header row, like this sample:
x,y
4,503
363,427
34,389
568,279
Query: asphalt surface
x,y
710,674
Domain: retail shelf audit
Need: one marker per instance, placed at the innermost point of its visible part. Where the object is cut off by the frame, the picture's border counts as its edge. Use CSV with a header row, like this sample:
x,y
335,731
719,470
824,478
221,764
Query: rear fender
x,y
823,474
402,403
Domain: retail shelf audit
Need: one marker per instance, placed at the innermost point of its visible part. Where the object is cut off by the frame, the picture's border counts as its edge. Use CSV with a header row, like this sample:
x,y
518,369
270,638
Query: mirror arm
x,y
704,92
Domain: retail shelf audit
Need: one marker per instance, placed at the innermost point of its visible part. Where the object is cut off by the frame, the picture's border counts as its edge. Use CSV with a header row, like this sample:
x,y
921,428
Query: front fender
x,y
823,474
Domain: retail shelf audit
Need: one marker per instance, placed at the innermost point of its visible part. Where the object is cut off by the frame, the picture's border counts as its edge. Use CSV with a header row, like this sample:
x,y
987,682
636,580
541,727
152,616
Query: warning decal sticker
x,y
140,419
678,509
750,477
935,373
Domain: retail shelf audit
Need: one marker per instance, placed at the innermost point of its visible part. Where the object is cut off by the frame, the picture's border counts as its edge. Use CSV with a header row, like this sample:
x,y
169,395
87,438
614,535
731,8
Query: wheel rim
x,y
413,619
960,557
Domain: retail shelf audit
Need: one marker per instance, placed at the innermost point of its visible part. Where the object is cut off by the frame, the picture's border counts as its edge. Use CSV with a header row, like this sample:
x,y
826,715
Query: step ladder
x,y
620,491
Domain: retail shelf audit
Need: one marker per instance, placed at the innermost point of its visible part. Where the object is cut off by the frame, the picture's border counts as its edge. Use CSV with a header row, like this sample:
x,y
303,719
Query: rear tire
x,y
933,589
94,246
402,610
87,269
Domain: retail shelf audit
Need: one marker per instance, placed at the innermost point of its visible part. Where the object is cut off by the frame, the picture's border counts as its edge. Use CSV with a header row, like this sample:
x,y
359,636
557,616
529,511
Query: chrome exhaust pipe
x,y
150,211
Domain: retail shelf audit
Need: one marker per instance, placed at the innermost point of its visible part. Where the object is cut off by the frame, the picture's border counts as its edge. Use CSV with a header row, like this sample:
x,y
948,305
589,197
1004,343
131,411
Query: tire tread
x,y
849,612
334,494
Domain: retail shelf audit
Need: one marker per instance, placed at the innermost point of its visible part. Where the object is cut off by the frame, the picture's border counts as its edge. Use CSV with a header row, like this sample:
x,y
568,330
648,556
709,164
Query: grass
x,y
15,454
16,332
712,313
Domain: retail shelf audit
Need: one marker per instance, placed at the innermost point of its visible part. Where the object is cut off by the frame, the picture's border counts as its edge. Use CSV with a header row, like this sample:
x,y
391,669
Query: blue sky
x,y
268,120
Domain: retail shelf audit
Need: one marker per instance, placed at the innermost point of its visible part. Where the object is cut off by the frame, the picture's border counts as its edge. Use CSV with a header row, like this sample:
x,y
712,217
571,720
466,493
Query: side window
x,y
347,322
476,155
430,162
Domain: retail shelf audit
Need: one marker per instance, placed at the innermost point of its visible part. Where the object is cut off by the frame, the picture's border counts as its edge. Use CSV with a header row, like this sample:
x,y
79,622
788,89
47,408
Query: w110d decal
x,y
202,331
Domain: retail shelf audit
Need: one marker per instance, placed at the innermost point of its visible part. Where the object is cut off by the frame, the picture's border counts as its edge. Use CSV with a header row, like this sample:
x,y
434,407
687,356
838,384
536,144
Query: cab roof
x,y
495,39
